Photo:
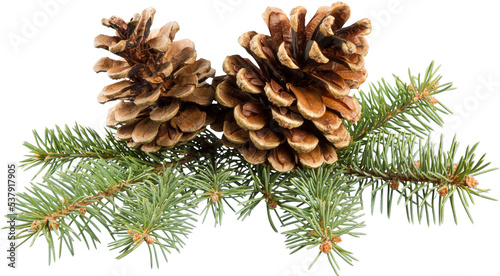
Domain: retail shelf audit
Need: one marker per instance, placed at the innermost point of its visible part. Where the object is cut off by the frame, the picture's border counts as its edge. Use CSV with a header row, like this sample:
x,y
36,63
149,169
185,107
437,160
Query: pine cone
x,y
164,99
298,94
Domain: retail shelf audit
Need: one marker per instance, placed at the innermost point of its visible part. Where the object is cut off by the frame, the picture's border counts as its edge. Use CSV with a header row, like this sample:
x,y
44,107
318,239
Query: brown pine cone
x,y
164,99
289,109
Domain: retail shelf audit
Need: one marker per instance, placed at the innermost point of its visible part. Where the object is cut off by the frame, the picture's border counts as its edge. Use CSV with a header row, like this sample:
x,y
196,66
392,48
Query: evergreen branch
x,y
60,204
322,206
157,212
265,185
215,184
384,161
402,108
59,149
73,191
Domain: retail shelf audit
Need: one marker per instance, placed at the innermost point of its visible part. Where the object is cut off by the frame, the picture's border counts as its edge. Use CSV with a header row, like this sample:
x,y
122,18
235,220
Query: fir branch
x,y
216,184
59,205
322,206
59,149
102,169
265,186
158,212
404,107
427,174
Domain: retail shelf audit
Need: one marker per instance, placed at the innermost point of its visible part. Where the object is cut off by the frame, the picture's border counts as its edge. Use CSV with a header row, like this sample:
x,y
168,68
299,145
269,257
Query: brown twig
x,y
51,156
51,219
394,179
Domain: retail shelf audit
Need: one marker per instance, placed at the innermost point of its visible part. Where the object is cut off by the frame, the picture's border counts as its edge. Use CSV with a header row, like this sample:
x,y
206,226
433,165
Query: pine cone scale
x,y
286,118
168,136
277,95
298,26
328,123
142,29
124,133
341,12
228,95
161,40
148,97
250,116
285,59
104,64
145,131
117,73
301,140
265,139
248,81
311,27
347,107
105,41
114,89
313,56
165,113
252,154
311,159
126,112
189,120
332,82
201,95
281,159
309,102
234,133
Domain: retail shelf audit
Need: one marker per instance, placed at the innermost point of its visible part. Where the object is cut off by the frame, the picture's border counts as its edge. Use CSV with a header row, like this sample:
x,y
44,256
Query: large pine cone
x,y
164,99
289,109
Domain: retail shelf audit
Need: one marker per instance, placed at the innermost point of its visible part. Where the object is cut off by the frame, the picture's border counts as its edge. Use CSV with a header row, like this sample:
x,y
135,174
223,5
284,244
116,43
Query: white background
x,y
47,79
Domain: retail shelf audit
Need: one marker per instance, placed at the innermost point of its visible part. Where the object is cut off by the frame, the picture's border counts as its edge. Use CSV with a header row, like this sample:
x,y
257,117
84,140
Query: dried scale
x,y
163,95
289,108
